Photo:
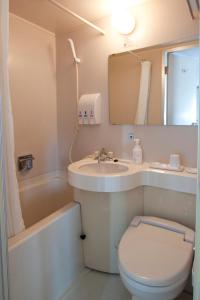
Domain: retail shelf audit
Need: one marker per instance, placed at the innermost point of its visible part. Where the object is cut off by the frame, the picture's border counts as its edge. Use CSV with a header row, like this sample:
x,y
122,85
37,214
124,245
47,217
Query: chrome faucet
x,y
103,155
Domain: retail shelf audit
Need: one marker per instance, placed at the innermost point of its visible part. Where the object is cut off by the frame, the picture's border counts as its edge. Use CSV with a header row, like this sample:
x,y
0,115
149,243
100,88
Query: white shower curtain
x,y
14,216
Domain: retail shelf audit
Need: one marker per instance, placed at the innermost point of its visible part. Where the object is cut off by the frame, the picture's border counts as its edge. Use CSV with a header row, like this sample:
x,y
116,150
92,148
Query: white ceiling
x,y
46,15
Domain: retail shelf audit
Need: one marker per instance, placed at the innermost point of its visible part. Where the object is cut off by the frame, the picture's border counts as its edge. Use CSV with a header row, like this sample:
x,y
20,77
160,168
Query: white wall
x,y
157,22
197,241
32,69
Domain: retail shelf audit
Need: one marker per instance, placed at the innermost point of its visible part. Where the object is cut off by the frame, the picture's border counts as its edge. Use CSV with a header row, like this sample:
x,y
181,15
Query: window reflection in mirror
x,y
182,92
154,86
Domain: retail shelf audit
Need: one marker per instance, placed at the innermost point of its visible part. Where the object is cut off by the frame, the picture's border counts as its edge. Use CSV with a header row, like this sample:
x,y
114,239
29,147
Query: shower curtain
x,y
15,222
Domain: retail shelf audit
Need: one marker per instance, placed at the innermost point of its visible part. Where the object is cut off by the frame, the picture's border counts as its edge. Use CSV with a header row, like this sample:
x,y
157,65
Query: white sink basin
x,y
104,177
103,168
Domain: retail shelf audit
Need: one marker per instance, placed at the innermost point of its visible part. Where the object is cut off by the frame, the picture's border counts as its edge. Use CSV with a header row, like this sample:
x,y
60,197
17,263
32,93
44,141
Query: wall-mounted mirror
x,y
155,86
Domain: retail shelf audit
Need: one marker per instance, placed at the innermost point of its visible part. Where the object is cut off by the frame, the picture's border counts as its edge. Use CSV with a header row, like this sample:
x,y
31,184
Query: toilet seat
x,y
156,252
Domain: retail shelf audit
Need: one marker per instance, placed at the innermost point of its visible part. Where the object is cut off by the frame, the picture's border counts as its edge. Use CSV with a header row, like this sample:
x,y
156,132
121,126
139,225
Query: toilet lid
x,y
154,256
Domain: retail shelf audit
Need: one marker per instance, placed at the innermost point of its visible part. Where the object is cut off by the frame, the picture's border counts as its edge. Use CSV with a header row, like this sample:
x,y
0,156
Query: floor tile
x,y
94,285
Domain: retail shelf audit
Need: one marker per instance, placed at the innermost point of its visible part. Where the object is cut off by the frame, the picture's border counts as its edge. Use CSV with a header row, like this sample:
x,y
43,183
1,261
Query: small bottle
x,y
137,152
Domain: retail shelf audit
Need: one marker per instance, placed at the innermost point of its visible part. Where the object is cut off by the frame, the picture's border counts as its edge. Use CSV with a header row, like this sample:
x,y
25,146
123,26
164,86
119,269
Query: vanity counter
x,y
134,176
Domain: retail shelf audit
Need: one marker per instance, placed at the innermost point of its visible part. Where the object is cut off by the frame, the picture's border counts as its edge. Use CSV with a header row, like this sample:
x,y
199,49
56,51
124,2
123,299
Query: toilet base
x,y
142,292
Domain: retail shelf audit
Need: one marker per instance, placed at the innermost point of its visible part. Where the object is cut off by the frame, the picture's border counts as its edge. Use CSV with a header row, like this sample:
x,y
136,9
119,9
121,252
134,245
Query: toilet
x,y
155,258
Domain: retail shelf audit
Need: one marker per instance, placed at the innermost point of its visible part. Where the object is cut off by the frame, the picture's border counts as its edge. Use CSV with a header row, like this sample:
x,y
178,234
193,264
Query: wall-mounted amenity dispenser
x,y
89,109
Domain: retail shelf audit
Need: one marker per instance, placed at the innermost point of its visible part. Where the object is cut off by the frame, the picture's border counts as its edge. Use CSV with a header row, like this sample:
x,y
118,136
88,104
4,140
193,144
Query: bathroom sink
x,y
107,176
103,168
120,176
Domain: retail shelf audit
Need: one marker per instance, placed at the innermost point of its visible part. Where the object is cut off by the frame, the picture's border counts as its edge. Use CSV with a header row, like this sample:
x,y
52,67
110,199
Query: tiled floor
x,y
100,286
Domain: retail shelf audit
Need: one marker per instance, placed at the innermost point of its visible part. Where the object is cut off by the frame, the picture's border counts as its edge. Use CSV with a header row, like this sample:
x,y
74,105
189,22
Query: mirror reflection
x,y
155,86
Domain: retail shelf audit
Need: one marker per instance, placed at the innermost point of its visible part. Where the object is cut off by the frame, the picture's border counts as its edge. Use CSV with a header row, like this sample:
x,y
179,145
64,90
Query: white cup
x,y
174,161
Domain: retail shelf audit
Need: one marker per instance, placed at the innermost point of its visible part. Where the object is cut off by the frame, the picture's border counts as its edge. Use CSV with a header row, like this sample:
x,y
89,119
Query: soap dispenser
x,y
137,152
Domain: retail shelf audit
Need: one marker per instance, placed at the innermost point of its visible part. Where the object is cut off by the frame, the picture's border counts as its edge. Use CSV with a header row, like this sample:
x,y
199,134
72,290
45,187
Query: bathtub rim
x,y
26,234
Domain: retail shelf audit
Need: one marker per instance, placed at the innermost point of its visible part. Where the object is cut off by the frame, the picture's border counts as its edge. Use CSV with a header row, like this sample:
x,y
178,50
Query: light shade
x,y
123,21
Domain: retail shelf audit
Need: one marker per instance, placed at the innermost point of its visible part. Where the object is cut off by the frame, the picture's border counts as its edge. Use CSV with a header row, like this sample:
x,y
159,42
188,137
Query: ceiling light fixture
x,y
123,22
121,18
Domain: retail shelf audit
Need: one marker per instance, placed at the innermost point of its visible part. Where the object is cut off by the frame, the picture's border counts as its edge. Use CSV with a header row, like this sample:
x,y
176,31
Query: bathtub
x,y
46,257
42,195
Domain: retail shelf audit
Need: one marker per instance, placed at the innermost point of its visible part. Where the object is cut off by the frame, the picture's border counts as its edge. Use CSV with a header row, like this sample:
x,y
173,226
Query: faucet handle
x,y
103,155
103,151
110,154
96,154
